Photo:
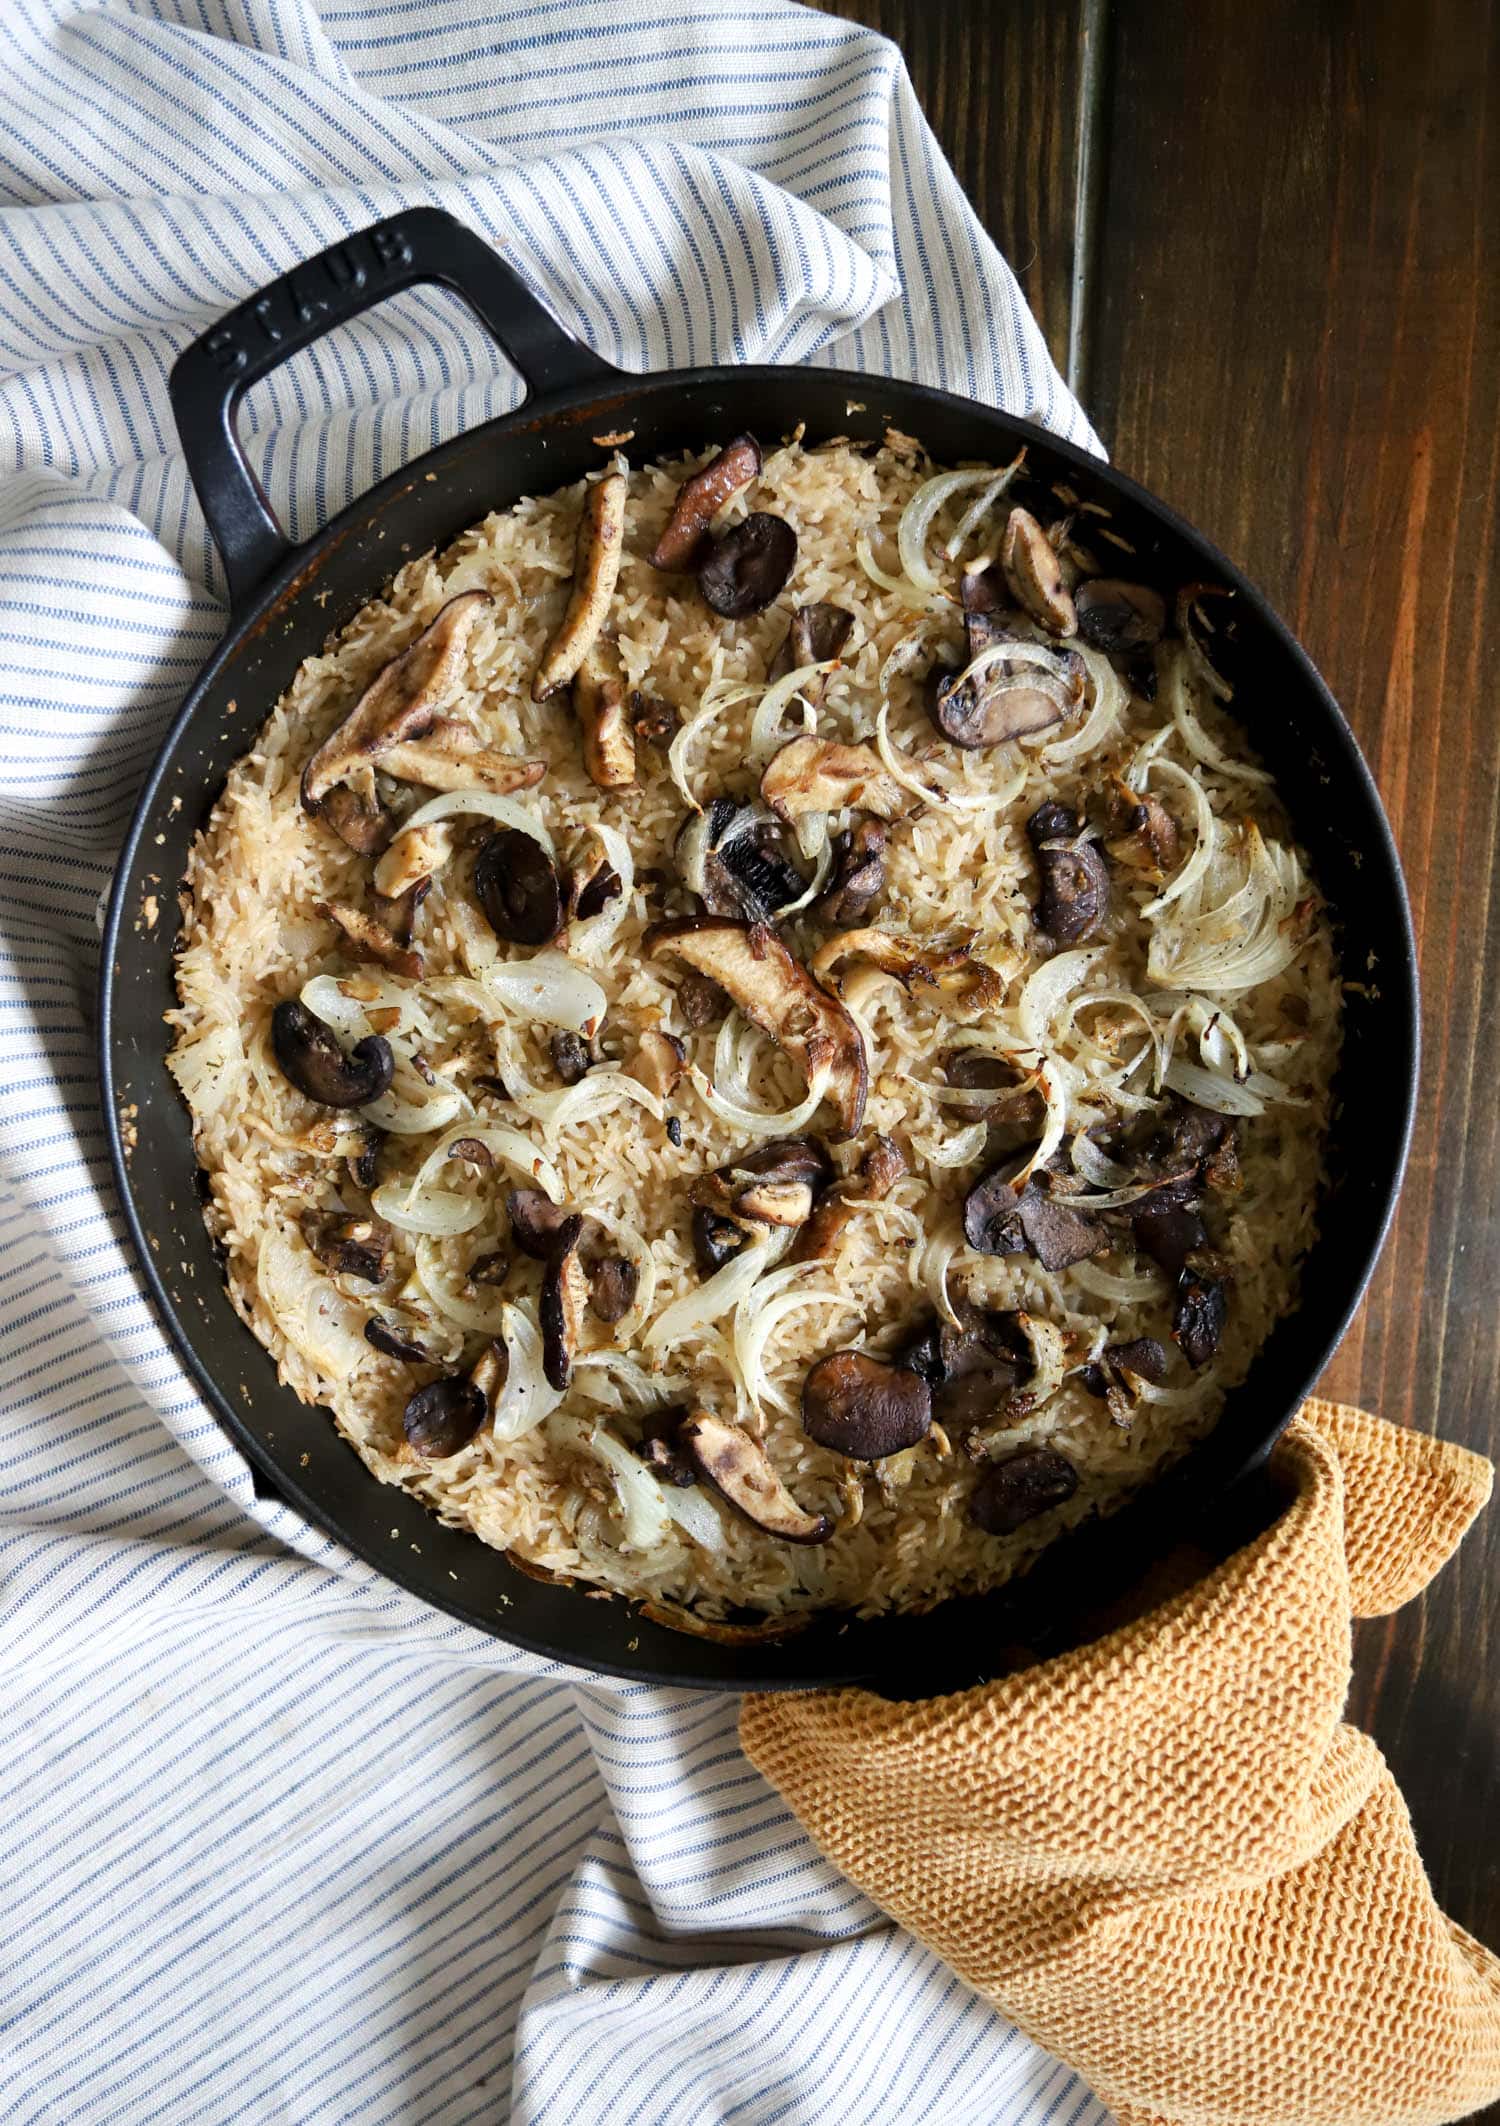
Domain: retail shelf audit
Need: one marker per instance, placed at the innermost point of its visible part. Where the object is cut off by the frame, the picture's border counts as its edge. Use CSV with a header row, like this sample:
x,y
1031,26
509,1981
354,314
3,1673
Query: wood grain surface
x,y
1269,240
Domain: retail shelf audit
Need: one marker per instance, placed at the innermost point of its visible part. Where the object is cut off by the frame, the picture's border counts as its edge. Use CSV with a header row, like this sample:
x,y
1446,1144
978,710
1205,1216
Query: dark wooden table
x,y
1264,243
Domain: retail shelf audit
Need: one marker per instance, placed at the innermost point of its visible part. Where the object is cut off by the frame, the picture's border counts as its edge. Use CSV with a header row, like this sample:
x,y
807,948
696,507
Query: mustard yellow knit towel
x,y
1164,1855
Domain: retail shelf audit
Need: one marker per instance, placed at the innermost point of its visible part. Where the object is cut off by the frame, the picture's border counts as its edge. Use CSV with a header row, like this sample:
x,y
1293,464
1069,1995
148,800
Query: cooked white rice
x,y
253,936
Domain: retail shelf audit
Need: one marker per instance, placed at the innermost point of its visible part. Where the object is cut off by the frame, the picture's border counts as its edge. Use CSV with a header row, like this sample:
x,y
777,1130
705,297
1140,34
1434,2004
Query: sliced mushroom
x,y
401,702
818,634
1018,1103
1074,874
536,1222
488,1270
385,1333
661,1447
352,1247
660,1060
612,1284
883,1165
364,1165
1169,1235
858,876
490,1371
775,1184
518,887
742,570
451,757
779,1203
371,941
1033,574
563,1301
717,1238
654,722
590,890
916,963
1146,836
473,1151
312,1059
443,1417
596,569
699,500
729,858
599,705
974,1366
740,1471
1200,1309
1010,1210
1119,618
701,1001
570,1057
779,995
357,818
820,775
1010,698
1142,1357
1015,1490
854,1405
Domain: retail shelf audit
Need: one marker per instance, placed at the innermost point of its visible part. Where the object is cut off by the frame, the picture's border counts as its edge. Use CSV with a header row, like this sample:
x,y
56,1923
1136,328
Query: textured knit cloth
x,y
1164,1854
280,1845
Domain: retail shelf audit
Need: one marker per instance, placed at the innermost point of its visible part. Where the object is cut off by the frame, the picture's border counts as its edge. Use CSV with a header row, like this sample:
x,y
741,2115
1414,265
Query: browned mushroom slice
x,y
1014,1491
729,858
596,569
974,1365
1119,618
451,757
1120,1365
593,883
608,742
820,775
1011,1211
352,1247
564,1299
654,722
717,1238
1017,1101
818,633
612,1285
1146,836
661,1447
699,500
916,963
369,940
488,1269
858,876
882,1166
779,1203
517,885
701,1002
660,1060
571,1058
364,1164
854,1405
312,1059
1034,576
402,702
384,1332
536,1222
1012,697
779,995
490,1371
1074,874
1199,1312
743,569
740,1471
444,1416
361,822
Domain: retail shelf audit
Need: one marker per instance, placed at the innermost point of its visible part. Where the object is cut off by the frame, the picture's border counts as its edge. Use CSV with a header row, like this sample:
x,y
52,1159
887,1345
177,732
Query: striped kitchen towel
x,y
281,1845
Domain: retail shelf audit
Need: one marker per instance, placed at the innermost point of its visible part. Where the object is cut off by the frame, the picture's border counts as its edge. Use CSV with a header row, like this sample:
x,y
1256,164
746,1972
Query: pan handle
x,y
210,377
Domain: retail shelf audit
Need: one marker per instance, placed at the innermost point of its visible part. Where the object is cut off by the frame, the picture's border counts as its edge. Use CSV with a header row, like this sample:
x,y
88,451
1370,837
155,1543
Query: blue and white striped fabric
x,y
279,1844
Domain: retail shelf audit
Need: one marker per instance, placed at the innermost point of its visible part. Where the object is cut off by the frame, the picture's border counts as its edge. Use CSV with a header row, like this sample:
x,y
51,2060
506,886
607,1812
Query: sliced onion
x,y
930,1267
481,1315
709,1301
757,1318
643,1509
527,1396
696,1515
510,1146
821,870
1067,1027
1205,828
1193,652
1096,1167
593,1095
1056,1088
916,522
438,1211
1049,1355
546,988
718,695
435,1108
1042,992
1246,939
962,1148
481,804
312,1314
982,505
765,724
622,1382
901,768
593,934
1131,1288
1205,1088
783,1123
636,1249
1109,700
1178,689
864,554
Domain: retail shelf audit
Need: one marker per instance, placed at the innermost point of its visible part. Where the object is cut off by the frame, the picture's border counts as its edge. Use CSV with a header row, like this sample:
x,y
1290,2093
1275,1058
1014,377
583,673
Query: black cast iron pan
x,y
285,600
